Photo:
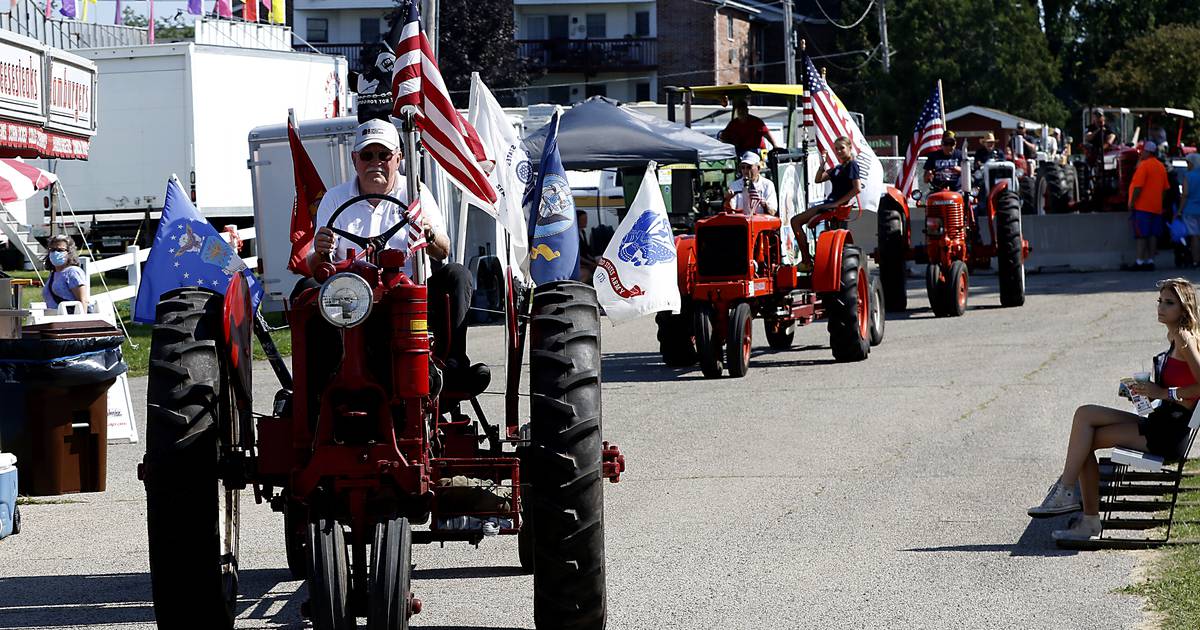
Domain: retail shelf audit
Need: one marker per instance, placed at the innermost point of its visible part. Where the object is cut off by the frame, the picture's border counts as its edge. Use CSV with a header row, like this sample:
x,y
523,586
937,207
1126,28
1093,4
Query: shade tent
x,y
599,133
19,180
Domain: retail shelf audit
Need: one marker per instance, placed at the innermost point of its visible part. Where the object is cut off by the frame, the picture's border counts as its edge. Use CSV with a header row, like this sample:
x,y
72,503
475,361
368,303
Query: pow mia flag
x,y
374,79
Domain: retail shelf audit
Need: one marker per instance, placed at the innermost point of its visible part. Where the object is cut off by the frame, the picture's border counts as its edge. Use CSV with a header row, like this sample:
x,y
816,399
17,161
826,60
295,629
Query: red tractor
x,y
732,271
1105,176
366,443
958,238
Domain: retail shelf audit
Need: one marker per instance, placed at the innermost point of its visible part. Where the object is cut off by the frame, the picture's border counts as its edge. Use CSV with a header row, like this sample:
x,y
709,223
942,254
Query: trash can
x,y
10,518
57,377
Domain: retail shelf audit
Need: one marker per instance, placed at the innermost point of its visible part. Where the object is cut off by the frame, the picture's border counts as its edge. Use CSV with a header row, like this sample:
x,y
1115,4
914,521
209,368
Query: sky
x,y
102,12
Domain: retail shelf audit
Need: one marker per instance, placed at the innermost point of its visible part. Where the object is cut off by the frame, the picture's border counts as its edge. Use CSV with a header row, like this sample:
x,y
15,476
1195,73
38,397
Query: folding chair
x,y
1134,488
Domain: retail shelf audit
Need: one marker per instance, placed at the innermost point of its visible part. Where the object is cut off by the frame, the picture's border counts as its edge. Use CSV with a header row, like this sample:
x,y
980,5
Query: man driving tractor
x,y
378,155
762,198
944,167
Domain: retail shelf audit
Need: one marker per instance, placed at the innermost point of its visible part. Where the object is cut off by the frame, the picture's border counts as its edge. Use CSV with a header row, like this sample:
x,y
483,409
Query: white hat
x,y
751,158
376,131
1149,146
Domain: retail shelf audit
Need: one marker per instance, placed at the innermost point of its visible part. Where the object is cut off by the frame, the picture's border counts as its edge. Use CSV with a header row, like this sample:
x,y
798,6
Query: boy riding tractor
x,y
369,440
956,241
733,270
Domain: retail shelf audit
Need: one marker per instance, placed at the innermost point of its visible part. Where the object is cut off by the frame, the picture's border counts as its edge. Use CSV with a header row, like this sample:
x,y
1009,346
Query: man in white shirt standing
x,y
378,155
761,197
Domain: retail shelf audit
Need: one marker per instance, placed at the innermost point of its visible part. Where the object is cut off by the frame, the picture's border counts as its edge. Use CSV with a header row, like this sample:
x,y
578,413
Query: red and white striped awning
x,y
19,180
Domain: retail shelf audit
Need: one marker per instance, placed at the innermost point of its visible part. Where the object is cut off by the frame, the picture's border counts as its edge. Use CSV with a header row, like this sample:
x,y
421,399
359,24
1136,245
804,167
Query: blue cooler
x,y
9,518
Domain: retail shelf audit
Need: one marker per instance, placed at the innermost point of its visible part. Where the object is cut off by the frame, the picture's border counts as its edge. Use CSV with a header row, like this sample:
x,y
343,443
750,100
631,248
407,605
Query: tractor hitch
x,y
613,462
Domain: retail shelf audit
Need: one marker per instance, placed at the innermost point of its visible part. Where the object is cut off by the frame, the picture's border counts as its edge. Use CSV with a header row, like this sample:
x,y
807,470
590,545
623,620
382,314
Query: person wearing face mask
x,y
67,281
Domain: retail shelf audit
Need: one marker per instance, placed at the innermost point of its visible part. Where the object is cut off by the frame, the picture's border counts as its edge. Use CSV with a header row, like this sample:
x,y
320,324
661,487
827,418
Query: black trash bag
x,y
61,362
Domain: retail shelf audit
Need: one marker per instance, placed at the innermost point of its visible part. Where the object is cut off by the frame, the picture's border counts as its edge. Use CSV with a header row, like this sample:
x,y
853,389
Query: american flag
x,y
416,235
927,135
755,199
829,116
449,138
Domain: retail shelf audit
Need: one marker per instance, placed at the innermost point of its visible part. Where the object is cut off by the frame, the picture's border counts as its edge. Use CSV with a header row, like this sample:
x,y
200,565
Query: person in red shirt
x,y
1146,205
745,131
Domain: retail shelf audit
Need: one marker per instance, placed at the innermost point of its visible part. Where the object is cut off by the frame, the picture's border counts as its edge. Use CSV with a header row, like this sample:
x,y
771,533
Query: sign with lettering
x,y
884,146
72,95
21,83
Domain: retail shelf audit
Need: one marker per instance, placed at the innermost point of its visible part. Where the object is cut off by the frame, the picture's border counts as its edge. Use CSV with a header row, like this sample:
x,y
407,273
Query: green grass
x,y
1173,587
136,348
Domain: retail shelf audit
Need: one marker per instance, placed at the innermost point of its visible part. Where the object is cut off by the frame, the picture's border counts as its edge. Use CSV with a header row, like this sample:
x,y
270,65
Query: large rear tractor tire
x,y
739,340
848,309
391,576
564,454
892,265
328,577
192,520
1057,195
1009,251
676,339
708,349
1028,188
878,308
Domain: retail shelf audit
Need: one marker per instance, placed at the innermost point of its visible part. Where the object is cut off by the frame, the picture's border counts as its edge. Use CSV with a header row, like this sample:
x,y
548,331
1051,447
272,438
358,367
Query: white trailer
x,y
187,109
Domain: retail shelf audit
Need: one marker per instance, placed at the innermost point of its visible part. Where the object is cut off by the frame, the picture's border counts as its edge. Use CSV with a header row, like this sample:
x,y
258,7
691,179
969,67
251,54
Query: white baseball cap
x,y
376,131
751,158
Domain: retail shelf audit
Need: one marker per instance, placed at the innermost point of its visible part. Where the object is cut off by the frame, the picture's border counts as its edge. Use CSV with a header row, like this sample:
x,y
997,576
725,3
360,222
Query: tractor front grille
x,y
722,250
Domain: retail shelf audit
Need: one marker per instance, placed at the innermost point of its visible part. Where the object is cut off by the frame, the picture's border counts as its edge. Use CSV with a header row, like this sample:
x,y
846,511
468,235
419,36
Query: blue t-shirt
x,y
840,178
63,284
1191,205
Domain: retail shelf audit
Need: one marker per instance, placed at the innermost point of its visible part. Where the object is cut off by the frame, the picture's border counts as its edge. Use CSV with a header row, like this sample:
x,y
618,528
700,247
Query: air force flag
x,y
188,252
553,236
637,274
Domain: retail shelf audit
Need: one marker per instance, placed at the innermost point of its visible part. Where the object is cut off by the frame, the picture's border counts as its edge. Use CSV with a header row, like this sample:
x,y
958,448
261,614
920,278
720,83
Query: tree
x,y
478,36
167,29
1157,69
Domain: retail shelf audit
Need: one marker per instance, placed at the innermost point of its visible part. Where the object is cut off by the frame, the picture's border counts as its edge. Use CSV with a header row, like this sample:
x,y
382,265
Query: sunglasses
x,y
369,156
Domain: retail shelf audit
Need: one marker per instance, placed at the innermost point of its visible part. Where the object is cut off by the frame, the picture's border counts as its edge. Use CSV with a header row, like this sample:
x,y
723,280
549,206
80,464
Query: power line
x,y
844,27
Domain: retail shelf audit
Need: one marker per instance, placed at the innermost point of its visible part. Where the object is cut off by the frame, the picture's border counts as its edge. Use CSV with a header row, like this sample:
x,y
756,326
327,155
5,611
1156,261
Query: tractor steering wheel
x,y
370,243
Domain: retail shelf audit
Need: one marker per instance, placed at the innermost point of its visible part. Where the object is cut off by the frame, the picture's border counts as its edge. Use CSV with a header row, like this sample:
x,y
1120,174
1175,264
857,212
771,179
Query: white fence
x,y
132,261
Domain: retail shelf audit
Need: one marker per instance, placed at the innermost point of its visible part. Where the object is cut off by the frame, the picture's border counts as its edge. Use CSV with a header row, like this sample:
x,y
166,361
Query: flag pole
x,y
412,174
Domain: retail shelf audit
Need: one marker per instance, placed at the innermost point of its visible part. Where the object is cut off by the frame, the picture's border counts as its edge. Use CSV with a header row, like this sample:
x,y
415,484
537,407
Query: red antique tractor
x,y
958,238
1105,176
367,443
731,272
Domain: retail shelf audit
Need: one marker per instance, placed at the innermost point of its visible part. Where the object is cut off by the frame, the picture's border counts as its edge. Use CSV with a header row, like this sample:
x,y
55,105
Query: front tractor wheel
x,y
391,572
676,340
1009,250
708,348
935,288
739,340
564,455
192,520
878,308
328,576
780,333
848,309
956,289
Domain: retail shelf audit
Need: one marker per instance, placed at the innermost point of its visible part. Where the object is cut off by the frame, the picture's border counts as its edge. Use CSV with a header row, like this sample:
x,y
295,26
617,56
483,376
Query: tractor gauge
x,y
345,300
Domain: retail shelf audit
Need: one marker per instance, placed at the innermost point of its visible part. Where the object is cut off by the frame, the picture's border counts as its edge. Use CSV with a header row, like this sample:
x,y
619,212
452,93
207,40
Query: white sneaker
x,y
1086,527
1059,500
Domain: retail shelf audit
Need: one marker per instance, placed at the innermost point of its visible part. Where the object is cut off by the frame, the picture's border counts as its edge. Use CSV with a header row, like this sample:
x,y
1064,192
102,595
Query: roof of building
x,y
1006,120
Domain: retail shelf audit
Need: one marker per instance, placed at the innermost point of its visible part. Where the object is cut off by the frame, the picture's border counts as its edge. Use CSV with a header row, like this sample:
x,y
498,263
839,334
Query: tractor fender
x,y
895,195
827,266
685,262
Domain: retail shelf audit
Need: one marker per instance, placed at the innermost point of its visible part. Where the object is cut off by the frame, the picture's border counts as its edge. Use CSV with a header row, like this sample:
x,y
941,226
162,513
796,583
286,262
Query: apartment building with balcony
x,y
339,27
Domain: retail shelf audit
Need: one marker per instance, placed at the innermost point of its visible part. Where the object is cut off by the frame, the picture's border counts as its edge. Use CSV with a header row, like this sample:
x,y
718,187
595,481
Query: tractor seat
x,y
463,383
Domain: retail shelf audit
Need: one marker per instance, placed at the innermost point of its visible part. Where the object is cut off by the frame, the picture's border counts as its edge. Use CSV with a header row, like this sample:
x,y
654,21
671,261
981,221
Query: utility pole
x,y
789,46
883,41
430,12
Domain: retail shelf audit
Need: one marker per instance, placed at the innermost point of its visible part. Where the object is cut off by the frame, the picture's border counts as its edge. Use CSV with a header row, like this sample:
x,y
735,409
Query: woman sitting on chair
x,y
1163,433
67,281
844,187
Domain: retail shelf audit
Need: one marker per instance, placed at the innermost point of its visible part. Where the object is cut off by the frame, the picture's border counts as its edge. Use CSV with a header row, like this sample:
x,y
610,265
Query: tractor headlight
x,y
933,226
345,300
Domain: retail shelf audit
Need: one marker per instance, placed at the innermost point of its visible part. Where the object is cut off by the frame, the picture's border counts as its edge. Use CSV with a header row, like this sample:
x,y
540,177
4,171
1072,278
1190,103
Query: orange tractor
x,y
959,238
732,271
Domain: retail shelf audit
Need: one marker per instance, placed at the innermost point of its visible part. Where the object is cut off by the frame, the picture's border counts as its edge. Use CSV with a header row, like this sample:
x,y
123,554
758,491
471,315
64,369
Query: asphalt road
x,y
889,493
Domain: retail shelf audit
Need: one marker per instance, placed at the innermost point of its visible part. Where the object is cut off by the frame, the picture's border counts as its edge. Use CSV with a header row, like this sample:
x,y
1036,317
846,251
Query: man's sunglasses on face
x,y
370,156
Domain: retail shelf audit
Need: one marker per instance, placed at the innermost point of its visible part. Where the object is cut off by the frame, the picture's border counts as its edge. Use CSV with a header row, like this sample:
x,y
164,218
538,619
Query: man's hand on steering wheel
x,y
323,241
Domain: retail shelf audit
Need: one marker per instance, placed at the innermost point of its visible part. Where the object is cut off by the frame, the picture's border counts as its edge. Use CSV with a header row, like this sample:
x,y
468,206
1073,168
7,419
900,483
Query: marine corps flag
x,y
309,190
637,274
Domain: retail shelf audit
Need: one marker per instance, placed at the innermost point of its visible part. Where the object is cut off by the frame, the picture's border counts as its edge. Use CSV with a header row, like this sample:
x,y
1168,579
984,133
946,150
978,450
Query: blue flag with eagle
x,y
188,252
553,237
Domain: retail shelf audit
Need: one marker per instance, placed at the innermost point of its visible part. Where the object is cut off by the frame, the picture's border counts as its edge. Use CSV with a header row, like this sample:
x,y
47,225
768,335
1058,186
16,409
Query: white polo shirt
x,y
766,191
365,220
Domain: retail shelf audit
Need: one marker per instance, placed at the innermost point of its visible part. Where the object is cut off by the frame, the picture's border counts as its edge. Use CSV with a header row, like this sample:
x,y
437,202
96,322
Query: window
x,y
642,92
641,21
729,26
732,57
596,89
368,30
535,27
597,25
559,94
559,27
317,29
